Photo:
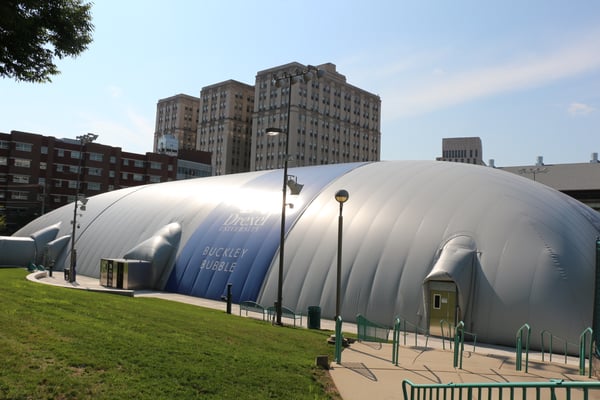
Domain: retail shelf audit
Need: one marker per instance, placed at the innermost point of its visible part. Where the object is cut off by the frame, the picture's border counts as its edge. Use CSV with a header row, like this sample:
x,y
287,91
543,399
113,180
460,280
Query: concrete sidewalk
x,y
366,370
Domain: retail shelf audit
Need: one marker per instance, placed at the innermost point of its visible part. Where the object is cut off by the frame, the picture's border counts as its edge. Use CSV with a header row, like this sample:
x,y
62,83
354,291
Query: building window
x,y
95,171
20,178
124,175
93,186
138,177
96,157
113,160
20,146
72,184
138,164
111,174
43,165
4,144
22,162
437,301
44,150
3,161
19,195
155,165
75,154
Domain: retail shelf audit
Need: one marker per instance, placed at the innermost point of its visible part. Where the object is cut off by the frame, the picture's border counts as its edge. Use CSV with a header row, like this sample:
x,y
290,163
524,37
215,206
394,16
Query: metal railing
x,y
403,326
587,333
519,349
451,332
459,344
553,389
551,338
400,325
368,331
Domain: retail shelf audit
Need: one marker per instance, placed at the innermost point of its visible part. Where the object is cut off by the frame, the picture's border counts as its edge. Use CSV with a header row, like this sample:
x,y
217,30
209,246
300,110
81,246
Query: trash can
x,y
314,317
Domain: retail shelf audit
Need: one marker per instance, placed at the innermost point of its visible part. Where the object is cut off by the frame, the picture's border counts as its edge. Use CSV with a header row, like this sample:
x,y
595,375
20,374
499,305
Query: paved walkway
x,y
366,370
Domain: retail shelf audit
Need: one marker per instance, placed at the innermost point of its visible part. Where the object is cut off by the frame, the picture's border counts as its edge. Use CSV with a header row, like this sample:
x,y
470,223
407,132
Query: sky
x,y
524,76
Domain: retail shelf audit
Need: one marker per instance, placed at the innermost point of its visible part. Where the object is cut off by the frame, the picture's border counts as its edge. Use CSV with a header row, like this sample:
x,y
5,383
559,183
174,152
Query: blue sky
x,y
522,75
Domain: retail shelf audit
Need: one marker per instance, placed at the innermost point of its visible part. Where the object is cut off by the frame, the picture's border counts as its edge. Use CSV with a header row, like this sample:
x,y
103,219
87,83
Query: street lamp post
x,y
341,196
79,198
306,74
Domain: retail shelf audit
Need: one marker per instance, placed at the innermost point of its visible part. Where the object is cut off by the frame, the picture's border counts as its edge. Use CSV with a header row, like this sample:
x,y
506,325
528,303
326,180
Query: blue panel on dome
x,y
237,246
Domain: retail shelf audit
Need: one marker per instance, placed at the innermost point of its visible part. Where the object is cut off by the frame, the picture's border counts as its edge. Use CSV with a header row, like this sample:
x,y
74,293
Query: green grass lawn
x,y
59,343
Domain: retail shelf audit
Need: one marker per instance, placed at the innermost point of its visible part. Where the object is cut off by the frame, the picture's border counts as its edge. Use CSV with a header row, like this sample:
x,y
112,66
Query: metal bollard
x,y
228,298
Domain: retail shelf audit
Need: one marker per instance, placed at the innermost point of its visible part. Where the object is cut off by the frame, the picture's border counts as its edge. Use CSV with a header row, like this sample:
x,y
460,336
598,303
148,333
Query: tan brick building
x,y
225,126
177,115
331,121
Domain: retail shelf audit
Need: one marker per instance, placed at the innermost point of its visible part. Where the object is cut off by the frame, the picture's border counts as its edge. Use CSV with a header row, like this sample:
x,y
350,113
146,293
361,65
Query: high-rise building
x,y
178,116
225,127
462,149
330,121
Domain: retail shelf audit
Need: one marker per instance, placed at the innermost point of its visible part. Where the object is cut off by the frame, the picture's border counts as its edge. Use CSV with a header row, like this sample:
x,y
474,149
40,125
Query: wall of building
x,y
41,173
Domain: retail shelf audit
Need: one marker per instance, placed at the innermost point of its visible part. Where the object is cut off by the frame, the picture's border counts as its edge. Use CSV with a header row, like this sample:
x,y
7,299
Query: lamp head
x,y
295,187
342,196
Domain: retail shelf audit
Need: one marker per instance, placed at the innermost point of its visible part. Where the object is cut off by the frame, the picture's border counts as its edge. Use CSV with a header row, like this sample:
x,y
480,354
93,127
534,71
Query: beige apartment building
x,y
178,116
225,126
330,122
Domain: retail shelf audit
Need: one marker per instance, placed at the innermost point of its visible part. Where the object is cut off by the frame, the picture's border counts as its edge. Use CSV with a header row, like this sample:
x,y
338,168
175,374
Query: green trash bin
x,y
314,317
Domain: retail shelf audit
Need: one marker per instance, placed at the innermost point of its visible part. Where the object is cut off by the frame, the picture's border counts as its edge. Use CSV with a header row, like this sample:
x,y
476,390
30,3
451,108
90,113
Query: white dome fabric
x,y
516,251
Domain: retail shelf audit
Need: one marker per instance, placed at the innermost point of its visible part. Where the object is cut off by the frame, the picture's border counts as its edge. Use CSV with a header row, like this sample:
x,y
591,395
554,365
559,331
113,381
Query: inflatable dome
x,y
425,241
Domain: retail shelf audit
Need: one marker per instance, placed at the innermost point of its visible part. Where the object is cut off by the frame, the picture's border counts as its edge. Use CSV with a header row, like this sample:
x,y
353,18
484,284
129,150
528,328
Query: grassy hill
x,y
58,343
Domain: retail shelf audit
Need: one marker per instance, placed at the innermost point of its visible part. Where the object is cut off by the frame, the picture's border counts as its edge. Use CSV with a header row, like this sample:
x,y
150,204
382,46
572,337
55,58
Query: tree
x,y
34,32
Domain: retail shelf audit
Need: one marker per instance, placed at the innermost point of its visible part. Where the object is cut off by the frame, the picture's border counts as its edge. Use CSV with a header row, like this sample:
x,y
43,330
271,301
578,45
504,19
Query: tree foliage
x,y
34,32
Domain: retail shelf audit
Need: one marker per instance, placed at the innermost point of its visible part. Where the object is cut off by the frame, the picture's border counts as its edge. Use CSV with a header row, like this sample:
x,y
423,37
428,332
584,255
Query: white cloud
x,y
579,57
577,109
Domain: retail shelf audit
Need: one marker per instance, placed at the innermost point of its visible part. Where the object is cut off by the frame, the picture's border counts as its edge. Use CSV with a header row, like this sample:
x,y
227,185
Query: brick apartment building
x,y
41,173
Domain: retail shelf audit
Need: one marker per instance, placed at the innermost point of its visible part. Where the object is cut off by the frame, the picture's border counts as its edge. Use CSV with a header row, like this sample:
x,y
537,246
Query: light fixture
x,y
292,183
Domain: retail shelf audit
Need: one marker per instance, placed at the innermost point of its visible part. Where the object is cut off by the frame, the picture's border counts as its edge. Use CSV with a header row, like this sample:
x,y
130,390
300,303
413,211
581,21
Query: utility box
x,y
122,273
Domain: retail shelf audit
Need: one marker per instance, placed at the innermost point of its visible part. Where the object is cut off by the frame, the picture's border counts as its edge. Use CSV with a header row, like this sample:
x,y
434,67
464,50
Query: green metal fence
x,y
588,334
553,389
450,331
548,338
519,349
368,331
459,344
401,327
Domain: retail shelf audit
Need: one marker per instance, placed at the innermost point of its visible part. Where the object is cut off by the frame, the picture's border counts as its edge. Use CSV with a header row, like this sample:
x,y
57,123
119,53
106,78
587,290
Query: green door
x,y
442,306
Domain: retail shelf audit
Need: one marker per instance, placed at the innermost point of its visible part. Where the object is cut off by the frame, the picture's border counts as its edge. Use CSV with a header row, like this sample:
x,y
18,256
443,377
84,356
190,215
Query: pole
x,y
339,263
283,206
596,309
73,256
